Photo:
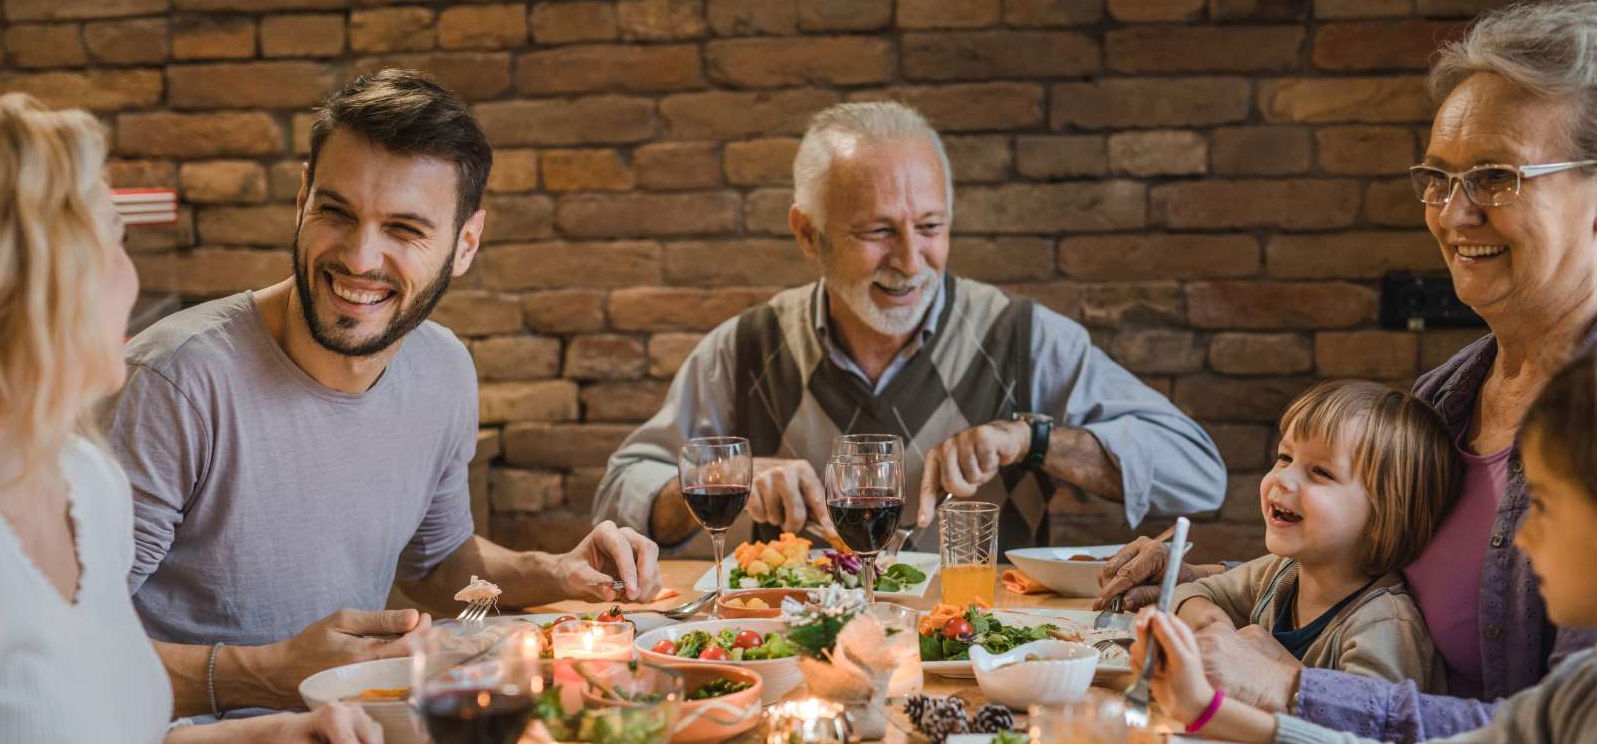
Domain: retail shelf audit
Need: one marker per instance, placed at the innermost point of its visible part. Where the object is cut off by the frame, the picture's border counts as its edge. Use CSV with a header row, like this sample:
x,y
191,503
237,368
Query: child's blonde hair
x,y
53,359
1403,455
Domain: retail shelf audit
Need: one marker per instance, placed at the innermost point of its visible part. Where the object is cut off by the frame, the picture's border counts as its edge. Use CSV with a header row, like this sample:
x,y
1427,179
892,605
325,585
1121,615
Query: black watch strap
x,y
1042,427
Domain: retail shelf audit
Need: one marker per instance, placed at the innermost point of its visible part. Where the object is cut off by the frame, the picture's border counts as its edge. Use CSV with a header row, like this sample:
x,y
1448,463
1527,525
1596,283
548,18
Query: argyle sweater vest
x,y
792,400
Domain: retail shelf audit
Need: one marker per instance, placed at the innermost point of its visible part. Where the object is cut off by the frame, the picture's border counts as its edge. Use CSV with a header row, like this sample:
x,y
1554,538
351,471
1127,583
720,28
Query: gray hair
x,y
1548,49
849,124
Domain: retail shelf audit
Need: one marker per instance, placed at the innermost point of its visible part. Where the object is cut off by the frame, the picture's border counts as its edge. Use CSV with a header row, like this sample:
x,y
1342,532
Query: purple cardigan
x,y
1518,644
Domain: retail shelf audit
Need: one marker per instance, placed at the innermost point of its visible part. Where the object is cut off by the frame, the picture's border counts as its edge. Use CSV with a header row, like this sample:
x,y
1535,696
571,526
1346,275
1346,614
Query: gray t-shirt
x,y
263,500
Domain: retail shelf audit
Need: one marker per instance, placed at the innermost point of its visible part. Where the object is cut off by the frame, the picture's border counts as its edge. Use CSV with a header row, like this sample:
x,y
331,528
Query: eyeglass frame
x,y
1455,181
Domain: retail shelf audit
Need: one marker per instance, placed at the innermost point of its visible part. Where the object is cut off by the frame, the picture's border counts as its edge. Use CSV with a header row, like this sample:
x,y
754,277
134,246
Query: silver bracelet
x,y
210,680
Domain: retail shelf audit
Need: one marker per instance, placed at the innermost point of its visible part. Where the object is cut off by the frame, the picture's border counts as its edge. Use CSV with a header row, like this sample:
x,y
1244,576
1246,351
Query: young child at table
x,y
1361,475
1558,442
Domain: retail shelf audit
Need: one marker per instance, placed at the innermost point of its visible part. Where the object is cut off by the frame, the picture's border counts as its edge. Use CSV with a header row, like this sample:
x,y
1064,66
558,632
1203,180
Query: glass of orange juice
x,y
968,544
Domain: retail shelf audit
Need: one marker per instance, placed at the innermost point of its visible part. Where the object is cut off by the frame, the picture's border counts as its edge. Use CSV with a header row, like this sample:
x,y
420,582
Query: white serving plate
x,y
1112,663
928,563
331,685
780,676
643,622
1051,567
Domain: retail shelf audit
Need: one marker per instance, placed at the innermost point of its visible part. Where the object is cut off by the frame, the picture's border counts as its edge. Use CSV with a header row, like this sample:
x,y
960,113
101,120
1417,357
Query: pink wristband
x,y
1208,713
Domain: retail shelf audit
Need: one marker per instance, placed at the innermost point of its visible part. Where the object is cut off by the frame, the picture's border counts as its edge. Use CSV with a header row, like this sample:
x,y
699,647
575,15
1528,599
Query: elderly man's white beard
x,y
895,321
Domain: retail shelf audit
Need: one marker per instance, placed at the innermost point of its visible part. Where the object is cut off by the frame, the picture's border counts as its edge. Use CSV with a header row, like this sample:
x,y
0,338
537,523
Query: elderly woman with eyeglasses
x,y
1509,186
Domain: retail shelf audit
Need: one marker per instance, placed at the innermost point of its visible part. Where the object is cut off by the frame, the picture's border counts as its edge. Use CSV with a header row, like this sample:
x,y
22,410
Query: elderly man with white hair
x,y
995,396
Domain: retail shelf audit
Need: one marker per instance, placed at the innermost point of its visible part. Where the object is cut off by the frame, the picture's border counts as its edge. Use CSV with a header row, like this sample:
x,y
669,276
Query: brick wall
x,y
1210,185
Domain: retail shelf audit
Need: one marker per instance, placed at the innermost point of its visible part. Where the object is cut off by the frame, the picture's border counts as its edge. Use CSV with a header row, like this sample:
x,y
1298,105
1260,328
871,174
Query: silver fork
x,y
476,611
1137,696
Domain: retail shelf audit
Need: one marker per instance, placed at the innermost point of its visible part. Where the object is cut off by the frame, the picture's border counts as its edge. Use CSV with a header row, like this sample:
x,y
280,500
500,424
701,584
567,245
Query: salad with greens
x,y
831,568
621,725
947,634
727,645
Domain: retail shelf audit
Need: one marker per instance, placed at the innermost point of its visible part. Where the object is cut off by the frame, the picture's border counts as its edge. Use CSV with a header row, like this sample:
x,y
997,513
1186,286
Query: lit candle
x,y
576,640
810,721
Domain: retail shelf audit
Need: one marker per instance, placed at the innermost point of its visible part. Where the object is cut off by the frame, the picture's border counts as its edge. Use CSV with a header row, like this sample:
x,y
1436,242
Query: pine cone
x,y
942,722
992,719
915,707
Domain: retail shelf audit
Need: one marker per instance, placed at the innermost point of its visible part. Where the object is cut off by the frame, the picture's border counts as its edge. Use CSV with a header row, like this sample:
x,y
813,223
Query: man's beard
x,y
896,321
337,337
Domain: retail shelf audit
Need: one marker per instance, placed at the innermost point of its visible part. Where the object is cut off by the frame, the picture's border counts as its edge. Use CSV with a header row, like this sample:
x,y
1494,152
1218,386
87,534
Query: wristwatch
x,y
1042,425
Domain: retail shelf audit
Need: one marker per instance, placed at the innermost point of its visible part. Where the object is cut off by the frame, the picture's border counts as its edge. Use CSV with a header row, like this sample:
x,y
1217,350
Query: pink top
x,y
1446,579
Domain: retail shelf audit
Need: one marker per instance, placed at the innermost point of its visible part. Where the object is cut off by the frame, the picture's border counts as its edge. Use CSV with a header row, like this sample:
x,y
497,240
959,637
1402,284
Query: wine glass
x,y
864,496
476,686
868,444
716,474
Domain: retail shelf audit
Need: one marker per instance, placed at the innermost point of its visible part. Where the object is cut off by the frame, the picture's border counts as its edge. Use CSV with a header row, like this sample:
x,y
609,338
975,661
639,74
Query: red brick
x,y
947,13
969,106
633,402
517,357
1052,207
483,26
1159,49
667,350
163,134
565,22
1380,355
139,40
752,17
1051,12
978,157
585,170
1158,351
978,55
472,312
1364,149
380,30
302,35
765,211
517,490
1392,203
677,165
44,45
152,238
659,19
259,6
1438,346
551,531
595,119
141,174
1268,305
564,310
761,162
55,10
1002,259
96,90
213,37
515,170
1358,99
811,60
1259,399
562,445
473,76
1158,255
1242,446
738,262
1357,255
1339,9
518,217
1260,353
1259,151
264,225
1158,153
1380,45
249,84
301,124
1150,102
544,400
1052,156
211,272
560,264
1061,297
1140,11
1258,10
844,15
679,309
223,182
726,115
1116,304
581,486
1242,497
619,67
1295,204
1460,8
647,214
603,356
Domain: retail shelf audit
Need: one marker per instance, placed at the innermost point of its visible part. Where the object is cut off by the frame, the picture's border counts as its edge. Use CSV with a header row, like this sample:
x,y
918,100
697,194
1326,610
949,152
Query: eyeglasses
x,y
1489,185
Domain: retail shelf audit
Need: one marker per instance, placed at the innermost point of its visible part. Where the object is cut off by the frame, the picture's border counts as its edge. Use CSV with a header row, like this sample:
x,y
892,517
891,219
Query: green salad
x,y
729,644
952,641
602,725
840,569
718,687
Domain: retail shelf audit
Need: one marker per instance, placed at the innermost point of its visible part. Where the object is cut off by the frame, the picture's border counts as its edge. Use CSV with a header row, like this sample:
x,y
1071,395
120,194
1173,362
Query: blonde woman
x,y
75,665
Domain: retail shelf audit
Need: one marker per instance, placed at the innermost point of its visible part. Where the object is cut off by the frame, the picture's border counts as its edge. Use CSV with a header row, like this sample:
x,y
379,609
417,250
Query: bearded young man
x,y
995,396
292,449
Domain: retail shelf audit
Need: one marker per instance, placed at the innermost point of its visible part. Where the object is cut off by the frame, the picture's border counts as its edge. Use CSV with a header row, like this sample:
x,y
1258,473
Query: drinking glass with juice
x,y
968,543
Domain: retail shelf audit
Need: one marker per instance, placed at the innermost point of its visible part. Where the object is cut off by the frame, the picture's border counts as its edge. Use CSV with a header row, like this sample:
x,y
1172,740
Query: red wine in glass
x,y
866,517
482,716
716,506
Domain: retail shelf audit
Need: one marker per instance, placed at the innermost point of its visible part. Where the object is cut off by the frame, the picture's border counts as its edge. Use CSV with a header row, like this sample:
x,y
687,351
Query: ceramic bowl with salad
x,y
789,563
760,646
948,632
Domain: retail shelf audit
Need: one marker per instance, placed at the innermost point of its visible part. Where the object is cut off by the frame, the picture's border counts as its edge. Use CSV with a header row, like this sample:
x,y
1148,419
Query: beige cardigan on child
x,y
1380,634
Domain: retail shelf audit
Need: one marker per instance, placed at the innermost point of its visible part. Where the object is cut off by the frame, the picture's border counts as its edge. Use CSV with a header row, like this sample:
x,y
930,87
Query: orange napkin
x,y
1016,581
665,593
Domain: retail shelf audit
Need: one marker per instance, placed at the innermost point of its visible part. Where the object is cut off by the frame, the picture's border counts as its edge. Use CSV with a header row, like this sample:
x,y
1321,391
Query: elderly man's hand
x,y
607,555
1237,661
787,493
967,460
344,637
1136,571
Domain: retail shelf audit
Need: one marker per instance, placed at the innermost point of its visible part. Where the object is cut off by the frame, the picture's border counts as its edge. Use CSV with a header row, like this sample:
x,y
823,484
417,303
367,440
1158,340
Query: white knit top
x,y
83,673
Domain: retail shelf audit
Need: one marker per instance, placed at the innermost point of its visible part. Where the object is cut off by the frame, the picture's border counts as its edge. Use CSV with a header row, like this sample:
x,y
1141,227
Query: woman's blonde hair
x,y
1403,455
53,357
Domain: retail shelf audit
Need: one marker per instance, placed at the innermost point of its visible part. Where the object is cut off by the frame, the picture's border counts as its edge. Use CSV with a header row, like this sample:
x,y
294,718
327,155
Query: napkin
x,y
665,593
1018,582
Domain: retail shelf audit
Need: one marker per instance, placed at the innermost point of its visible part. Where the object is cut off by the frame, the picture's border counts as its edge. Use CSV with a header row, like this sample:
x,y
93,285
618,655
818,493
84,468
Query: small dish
x,y
348,681
780,676
1070,571
718,718
772,597
1062,673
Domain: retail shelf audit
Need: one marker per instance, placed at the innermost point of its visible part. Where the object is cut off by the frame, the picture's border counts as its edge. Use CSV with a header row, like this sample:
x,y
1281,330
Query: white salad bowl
x,y
1053,567
779,676
399,724
1061,674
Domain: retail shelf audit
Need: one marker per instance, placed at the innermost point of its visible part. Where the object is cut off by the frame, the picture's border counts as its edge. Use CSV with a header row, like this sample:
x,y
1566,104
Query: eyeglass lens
x,y
1486,187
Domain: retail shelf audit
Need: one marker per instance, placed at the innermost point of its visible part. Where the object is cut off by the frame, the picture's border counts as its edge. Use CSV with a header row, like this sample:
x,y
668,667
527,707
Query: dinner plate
x,y
926,562
1052,566
1115,662
643,622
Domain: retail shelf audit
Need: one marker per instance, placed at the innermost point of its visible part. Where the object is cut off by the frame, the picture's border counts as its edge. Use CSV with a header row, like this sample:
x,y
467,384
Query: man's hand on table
x,y
1248,664
1137,570
344,637
787,493
609,554
968,460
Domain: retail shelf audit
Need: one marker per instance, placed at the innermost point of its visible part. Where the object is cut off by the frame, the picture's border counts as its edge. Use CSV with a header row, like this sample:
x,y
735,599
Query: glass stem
x,y
718,540
867,576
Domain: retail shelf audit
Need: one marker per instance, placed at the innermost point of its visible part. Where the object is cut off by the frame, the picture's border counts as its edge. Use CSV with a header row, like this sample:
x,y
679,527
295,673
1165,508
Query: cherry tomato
x,y
714,653
612,615
665,646
748,639
956,627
